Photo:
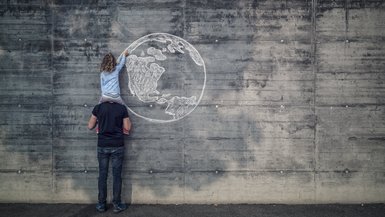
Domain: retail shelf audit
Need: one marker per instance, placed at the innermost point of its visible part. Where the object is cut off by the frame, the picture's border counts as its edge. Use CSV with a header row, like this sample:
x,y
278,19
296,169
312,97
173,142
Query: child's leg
x,y
104,99
119,100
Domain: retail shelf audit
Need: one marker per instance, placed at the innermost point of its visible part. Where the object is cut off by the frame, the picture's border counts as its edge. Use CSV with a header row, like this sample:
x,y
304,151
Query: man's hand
x,y
92,122
126,126
126,132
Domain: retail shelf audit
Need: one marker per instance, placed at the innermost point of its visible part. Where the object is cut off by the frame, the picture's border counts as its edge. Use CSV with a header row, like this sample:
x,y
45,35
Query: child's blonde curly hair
x,y
108,63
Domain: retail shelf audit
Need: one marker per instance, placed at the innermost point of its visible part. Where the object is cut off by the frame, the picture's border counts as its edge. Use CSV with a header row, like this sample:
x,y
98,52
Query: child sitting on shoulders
x,y
109,77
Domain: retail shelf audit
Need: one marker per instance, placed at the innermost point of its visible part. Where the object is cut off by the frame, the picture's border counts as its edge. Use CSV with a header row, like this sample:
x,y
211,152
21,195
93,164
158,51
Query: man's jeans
x,y
104,154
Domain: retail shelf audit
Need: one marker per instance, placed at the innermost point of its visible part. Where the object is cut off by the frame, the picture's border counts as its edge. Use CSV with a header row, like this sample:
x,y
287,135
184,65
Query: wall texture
x,y
293,110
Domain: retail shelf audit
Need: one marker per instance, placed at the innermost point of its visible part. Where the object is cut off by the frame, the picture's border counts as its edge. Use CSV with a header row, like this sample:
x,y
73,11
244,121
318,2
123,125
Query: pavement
x,y
243,210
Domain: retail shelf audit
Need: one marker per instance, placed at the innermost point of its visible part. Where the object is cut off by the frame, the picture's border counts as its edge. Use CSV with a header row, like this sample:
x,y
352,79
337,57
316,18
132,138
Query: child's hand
x,y
126,52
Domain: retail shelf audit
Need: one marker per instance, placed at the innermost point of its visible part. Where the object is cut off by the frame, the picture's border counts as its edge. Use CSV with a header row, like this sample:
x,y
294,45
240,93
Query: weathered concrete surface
x,y
293,110
242,210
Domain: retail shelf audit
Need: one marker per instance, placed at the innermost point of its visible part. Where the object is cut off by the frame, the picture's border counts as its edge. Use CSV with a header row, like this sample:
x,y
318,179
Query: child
x,y
109,77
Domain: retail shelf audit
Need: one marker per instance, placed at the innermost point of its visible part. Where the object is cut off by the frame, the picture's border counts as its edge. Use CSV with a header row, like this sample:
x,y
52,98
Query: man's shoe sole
x,y
118,210
101,210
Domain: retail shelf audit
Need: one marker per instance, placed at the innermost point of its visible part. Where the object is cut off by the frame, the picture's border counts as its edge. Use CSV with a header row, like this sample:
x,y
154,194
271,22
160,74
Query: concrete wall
x,y
293,110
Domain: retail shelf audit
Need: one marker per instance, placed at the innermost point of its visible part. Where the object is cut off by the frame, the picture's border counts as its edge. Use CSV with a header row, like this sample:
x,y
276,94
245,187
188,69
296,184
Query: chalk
x,y
168,46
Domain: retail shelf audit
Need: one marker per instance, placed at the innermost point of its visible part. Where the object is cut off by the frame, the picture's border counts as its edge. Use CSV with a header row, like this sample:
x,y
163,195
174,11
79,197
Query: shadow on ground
x,y
77,210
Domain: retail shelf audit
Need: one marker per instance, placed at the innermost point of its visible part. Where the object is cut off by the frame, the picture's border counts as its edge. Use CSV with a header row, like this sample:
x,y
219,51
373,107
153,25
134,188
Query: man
x,y
113,122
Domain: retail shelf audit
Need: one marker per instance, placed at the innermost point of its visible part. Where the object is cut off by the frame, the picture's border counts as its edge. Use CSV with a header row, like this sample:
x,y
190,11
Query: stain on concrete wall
x,y
293,109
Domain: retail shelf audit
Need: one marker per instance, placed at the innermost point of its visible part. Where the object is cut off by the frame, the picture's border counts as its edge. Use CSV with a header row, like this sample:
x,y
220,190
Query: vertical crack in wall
x,y
184,125
346,19
50,8
314,69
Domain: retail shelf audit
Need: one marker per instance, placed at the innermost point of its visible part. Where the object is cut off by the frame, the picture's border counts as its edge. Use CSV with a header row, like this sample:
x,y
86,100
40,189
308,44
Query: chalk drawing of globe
x,y
166,77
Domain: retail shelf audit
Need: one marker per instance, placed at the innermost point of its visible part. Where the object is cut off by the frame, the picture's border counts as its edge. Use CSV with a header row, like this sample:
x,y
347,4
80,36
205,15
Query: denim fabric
x,y
111,99
116,154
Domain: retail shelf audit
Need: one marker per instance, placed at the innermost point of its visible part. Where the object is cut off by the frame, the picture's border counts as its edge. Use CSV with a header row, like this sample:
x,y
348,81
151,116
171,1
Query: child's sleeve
x,y
121,62
101,81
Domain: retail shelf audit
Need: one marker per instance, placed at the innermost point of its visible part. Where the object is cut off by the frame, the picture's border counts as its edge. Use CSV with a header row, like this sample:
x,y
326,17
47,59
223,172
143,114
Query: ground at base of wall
x,y
88,210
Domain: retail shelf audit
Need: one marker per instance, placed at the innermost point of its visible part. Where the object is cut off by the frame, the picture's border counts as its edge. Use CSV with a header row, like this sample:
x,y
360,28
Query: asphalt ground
x,y
244,210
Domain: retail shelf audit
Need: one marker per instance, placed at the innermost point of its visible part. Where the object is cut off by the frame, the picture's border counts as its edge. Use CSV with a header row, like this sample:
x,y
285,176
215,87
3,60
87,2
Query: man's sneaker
x,y
119,207
101,207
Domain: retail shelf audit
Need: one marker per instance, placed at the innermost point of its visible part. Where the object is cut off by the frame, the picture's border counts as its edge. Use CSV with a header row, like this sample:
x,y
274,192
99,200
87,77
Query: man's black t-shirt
x,y
110,123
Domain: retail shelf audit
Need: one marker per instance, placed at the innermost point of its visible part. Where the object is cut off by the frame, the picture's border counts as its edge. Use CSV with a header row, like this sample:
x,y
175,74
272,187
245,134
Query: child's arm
x,y
121,60
125,54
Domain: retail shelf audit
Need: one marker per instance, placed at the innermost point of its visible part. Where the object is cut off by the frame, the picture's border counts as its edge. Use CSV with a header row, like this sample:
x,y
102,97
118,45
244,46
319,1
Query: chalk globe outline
x,y
146,38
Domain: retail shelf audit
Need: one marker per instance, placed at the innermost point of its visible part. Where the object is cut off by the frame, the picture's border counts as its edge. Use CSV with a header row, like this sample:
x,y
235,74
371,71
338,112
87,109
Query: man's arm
x,y
92,122
126,126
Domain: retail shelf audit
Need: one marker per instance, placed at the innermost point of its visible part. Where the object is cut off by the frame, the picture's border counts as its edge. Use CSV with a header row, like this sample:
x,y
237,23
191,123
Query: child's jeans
x,y
105,98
